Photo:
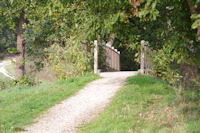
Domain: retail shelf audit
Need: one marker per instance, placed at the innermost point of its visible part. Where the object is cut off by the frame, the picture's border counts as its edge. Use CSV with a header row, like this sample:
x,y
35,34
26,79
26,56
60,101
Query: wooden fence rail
x,y
112,57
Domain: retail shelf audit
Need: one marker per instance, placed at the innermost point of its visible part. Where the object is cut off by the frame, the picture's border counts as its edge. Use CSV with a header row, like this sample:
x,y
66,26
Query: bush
x,y
166,65
7,84
2,85
25,81
69,60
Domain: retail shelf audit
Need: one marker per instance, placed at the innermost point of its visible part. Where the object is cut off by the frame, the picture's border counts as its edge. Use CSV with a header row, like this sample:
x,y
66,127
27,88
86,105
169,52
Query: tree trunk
x,y
111,41
199,33
193,10
20,59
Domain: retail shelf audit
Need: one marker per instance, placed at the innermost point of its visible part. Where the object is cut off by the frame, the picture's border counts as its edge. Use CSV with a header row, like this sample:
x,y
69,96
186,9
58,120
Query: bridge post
x,y
118,60
142,60
144,63
95,56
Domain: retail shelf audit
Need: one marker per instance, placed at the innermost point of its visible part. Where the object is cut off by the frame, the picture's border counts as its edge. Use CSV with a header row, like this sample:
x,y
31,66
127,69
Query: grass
x,y
148,105
3,78
19,106
11,69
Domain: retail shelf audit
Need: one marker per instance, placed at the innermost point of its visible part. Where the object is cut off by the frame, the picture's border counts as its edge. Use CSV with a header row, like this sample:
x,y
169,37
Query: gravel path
x,y
3,64
82,107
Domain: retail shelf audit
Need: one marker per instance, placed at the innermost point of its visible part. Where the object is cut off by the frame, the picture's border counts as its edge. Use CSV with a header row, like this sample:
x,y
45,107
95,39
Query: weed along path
x,y
3,70
82,107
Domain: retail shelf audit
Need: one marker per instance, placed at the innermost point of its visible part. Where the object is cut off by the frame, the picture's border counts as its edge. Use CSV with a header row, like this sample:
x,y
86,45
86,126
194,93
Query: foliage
x,y
64,48
165,64
2,85
67,25
172,38
5,82
26,81
19,106
196,18
7,39
69,60
161,23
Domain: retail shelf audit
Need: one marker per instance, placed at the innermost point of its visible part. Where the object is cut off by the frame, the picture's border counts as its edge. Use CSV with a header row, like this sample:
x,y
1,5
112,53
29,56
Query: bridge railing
x,y
112,59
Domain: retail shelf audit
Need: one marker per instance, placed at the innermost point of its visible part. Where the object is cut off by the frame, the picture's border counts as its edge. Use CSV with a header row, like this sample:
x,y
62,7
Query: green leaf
x,y
195,16
11,2
196,24
13,50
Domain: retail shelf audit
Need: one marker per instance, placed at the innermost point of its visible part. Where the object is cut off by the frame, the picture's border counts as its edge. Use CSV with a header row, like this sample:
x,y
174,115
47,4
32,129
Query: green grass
x,y
148,105
19,106
3,81
11,69
3,78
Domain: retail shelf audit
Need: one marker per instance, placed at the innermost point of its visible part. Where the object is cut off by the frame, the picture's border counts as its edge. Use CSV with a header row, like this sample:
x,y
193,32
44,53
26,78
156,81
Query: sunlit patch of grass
x,y
19,106
3,78
147,104
11,69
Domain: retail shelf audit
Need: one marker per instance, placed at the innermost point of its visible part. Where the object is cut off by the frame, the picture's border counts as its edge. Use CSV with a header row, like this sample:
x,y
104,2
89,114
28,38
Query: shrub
x,y
166,66
69,60
2,85
7,84
26,81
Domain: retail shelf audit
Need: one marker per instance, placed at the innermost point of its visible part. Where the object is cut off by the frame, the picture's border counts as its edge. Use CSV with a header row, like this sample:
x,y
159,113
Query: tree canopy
x,y
52,27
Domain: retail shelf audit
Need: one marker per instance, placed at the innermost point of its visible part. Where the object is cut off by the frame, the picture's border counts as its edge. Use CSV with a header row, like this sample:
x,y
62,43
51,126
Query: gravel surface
x,y
85,105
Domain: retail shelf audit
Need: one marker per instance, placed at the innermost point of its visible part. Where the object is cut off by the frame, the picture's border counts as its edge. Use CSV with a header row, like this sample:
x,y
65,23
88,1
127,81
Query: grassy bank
x,y
148,105
11,69
19,106
3,78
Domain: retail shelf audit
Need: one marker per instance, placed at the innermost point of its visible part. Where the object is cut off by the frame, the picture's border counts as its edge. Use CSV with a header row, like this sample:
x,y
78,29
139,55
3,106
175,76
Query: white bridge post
x,y
95,56
142,57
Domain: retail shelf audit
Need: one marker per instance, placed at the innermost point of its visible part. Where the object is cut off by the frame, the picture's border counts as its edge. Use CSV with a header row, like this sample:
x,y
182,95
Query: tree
x,y
15,13
66,25
20,59
166,25
172,33
195,10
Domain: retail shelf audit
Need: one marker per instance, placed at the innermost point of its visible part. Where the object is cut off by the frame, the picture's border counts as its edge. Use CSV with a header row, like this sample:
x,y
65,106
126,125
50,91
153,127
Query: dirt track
x,y
82,107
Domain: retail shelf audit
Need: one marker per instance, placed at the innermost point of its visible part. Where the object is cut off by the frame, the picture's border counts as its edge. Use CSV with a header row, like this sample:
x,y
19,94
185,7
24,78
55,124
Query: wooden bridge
x,y
112,58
